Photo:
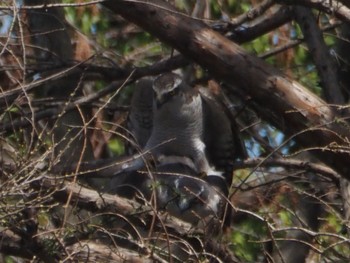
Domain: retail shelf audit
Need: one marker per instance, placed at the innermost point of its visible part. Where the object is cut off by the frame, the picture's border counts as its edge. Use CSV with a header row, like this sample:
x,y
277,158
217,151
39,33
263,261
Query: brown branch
x,y
252,13
41,6
247,33
87,198
7,97
289,164
53,112
324,62
345,2
83,251
269,22
328,72
294,43
91,251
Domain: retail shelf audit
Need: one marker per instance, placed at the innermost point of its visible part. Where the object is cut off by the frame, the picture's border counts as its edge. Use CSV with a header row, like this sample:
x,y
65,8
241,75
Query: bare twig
x,y
290,163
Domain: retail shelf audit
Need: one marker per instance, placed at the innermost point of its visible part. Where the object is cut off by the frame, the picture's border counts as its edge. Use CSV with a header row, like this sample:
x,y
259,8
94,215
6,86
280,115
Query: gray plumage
x,y
185,196
178,122
180,193
140,120
188,134
185,122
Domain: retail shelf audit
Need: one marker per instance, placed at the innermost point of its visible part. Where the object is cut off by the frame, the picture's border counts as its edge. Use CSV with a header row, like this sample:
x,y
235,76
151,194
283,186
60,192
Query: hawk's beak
x,y
160,100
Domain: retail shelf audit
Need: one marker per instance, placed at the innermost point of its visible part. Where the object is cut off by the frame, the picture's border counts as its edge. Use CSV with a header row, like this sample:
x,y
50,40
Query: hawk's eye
x,y
174,91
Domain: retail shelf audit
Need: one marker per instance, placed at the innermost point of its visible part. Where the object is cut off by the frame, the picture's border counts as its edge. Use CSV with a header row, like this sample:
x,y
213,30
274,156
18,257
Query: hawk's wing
x,y
221,137
140,117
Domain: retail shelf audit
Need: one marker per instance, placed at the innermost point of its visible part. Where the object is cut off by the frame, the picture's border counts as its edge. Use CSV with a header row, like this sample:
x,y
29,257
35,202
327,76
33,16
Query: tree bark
x,y
52,42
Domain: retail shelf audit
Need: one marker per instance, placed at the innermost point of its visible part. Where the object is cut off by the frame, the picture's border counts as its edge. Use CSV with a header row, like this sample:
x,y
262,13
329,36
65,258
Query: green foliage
x,y
116,146
259,45
286,217
246,239
228,7
43,218
336,246
88,19
127,46
334,222
9,259
52,246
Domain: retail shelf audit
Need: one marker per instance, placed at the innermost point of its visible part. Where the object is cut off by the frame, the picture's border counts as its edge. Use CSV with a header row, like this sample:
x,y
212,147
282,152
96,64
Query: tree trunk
x,y
52,42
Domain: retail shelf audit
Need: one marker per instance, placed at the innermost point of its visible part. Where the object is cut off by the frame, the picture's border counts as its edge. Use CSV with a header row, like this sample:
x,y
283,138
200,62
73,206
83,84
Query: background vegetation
x,y
67,74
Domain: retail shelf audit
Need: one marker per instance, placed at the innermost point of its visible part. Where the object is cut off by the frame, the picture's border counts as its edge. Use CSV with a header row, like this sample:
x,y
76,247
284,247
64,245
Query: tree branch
x,y
289,163
252,13
324,62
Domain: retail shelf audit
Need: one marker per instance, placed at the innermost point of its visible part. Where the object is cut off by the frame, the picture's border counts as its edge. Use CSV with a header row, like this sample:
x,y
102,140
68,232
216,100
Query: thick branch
x,y
323,60
7,97
267,24
253,13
